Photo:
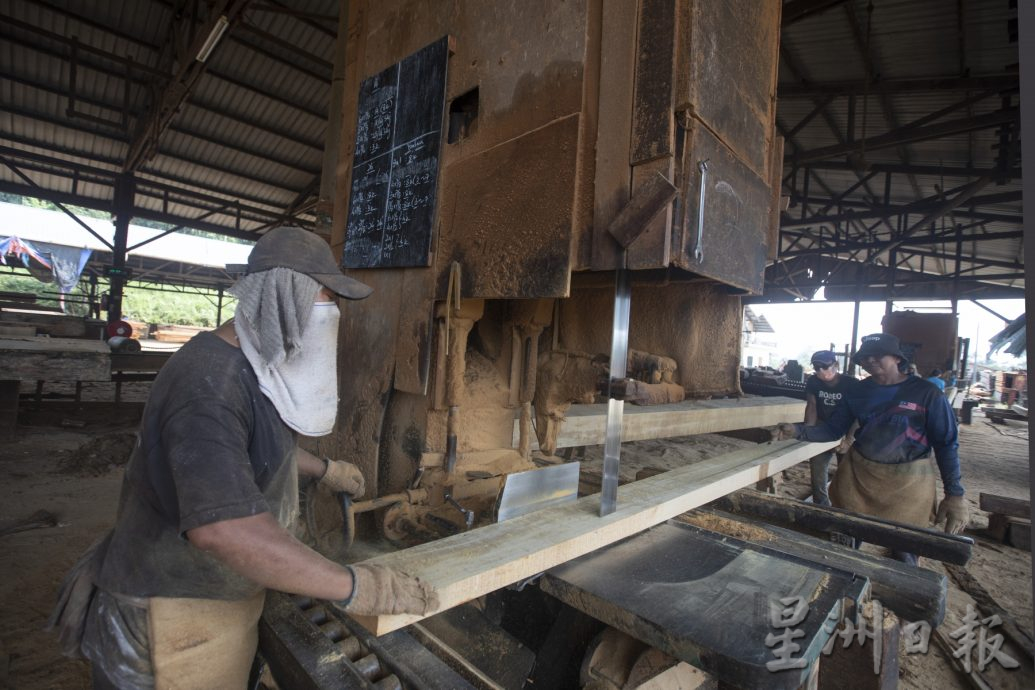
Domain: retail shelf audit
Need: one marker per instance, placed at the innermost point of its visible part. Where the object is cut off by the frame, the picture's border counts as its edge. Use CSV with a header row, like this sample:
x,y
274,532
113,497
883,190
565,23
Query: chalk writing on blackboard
x,y
395,163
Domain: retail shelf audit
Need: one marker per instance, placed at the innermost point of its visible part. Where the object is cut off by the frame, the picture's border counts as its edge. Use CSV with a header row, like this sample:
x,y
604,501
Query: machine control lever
x,y
468,514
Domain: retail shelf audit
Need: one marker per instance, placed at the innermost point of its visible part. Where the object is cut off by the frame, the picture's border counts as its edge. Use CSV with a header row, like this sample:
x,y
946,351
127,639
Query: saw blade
x,y
615,408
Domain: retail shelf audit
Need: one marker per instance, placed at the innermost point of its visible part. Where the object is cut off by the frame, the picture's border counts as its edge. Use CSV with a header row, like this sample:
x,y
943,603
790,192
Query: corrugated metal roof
x,y
248,137
866,71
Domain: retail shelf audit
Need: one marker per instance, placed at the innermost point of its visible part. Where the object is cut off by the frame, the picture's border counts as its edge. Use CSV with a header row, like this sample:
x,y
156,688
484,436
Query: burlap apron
x,y
203,643
904,492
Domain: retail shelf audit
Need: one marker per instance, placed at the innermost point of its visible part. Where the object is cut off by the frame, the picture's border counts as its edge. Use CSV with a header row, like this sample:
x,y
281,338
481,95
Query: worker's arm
x,y
831,430
258,548
943,435
337,475
810,410
308,464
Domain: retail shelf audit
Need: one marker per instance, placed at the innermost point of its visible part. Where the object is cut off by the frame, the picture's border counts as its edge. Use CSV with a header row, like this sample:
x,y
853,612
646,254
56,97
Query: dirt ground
x,y
74,473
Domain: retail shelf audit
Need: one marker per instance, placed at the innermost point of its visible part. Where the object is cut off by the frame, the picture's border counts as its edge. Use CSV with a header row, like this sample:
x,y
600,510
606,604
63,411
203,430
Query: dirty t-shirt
x,y
898,423
829,397
211,448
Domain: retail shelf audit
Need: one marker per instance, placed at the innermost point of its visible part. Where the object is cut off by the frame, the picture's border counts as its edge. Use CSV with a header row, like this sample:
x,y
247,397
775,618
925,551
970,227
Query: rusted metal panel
x,y
736,215
613,174
652,249
731,85
507,216
652,125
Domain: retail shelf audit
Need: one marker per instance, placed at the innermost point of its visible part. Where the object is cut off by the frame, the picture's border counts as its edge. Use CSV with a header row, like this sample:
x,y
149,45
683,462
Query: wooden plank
x,y
469,565
52,324
1004,505
54,359
584,425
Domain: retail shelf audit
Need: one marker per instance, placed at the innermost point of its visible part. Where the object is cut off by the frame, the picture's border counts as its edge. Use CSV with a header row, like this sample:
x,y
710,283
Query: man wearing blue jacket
x,y
887,472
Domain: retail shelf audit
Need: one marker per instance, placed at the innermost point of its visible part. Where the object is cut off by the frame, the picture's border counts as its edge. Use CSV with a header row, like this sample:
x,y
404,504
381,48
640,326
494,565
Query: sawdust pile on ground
x,y
98,455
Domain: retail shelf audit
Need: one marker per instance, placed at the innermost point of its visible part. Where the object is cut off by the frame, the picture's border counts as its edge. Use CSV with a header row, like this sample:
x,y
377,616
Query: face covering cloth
x,y
292,346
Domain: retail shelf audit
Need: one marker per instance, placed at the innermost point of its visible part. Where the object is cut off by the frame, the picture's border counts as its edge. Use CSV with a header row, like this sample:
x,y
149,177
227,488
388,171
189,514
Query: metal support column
x,y
219,307
125,190
850,368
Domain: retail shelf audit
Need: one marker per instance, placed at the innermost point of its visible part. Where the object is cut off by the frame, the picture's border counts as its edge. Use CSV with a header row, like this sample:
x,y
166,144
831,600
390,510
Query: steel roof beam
x,y
796,10
947,238
43,117
149,130
145,187
61,91
914,169
910,135
137,66
799,74
291,48
864,47
805,89
310,19
173,128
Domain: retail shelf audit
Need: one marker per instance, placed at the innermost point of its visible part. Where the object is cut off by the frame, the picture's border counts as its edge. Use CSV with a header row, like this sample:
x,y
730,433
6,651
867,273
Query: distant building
x,y
758,342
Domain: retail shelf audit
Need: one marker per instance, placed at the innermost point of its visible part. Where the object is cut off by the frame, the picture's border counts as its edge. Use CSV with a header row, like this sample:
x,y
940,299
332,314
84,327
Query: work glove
x,y
956,513
377,590
782,431
844,446
343,476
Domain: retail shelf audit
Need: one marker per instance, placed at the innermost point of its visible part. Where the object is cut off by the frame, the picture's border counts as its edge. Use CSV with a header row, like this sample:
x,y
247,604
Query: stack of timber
x,y
466,566
176,334
1009,519
54,324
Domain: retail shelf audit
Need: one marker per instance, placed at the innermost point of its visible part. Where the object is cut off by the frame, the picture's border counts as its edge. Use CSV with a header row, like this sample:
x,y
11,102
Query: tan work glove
x,y
377,590
783,431
343,476
844,446
956,513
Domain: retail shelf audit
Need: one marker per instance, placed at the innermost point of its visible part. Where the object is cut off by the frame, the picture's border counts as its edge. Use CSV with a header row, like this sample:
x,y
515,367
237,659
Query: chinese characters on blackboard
x,y
395,165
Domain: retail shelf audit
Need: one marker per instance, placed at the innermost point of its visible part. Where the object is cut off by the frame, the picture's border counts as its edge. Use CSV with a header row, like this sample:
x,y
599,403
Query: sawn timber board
x,y
584,425
471,564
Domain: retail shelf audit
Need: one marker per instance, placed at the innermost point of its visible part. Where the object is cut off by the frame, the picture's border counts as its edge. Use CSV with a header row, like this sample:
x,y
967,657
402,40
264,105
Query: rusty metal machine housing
x,y
562,115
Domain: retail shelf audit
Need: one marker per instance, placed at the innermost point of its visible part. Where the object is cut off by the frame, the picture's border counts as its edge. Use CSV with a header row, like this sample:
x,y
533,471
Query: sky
x,y
804,327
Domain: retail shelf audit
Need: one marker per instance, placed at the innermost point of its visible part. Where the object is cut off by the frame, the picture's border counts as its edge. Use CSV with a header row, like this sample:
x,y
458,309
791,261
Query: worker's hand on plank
x,y
783,431
343,476
377,590
955,512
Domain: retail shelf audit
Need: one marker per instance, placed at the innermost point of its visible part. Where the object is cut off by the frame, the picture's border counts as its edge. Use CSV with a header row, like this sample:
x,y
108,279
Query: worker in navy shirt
x,y
887,472
825,391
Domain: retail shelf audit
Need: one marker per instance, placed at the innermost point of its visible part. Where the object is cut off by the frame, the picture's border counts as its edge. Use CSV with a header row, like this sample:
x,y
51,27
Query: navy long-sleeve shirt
x,y
898,423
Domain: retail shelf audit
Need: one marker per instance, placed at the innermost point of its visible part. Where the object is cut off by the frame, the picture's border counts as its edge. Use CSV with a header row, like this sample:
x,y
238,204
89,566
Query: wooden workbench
x,y
47,359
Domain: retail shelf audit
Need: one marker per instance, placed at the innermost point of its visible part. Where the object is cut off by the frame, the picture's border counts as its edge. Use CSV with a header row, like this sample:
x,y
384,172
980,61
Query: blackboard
x,y
395,162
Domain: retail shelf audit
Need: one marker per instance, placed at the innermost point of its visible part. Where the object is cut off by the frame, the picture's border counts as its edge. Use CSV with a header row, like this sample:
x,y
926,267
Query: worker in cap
x,y
825,391
171,597
888,471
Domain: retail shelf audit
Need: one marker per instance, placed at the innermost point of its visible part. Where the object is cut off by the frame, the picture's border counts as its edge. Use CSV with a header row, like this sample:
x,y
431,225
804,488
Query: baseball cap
x,y
878,344
303,251
824,357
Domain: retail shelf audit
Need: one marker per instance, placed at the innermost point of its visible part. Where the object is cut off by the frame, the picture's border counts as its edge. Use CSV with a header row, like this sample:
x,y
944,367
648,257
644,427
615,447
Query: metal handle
x,y
698,250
